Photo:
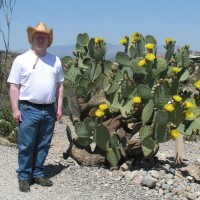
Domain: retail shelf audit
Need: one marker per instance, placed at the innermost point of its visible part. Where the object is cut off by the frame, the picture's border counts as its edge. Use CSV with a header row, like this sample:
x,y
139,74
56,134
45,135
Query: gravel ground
x,y
74,182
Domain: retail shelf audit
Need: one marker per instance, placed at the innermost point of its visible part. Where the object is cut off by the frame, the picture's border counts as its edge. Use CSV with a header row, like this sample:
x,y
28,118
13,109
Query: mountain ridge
x,y
67,50
62,50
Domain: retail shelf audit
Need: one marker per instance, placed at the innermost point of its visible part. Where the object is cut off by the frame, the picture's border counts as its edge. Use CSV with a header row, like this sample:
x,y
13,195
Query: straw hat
x,y
40,28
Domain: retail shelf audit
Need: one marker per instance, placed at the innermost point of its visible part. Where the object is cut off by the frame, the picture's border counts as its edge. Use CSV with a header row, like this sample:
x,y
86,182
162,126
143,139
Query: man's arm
x,y
14,98
59,96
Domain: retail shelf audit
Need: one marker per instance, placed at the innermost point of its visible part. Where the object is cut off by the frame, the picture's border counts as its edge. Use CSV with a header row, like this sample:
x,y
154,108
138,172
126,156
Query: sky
x,y
110,19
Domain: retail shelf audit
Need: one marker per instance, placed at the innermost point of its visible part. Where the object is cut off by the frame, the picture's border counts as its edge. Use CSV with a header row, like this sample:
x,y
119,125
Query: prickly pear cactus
x,y
109,102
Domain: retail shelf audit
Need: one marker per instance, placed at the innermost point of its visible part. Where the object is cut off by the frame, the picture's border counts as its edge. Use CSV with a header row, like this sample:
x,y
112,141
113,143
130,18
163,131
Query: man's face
x,y
40,41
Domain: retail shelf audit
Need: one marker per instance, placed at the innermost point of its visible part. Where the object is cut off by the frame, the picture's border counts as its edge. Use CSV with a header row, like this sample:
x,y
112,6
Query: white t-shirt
x,y
37,77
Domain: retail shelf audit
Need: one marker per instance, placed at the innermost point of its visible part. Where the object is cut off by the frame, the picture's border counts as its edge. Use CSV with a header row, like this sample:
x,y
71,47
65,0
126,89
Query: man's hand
x,y
17,116
58,114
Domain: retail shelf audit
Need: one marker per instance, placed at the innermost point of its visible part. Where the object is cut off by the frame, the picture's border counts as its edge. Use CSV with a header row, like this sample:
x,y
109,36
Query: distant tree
x,y
7,7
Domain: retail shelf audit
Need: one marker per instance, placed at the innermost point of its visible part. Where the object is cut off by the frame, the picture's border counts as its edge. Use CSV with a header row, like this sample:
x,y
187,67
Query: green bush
x,y
5,128
8,127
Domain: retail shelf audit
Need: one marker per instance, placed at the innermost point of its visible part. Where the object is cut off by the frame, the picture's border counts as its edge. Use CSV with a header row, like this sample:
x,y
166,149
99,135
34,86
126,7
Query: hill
x,y
62,51
67,50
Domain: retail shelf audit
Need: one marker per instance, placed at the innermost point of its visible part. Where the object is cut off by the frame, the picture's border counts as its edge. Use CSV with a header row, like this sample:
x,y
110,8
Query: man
x,y
36,83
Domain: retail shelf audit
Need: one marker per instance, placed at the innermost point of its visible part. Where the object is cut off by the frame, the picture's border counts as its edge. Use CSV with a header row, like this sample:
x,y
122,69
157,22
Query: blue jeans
x,y
34,139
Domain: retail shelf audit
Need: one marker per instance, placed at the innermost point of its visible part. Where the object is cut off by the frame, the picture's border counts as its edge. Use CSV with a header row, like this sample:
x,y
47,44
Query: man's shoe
x,y
43,181
24,185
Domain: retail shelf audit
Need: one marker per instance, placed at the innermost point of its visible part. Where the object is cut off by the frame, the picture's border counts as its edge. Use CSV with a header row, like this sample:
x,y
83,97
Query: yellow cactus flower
x,y
149,46
103,106
197,84
189,104
175,133
177,98
133,39
189,114
169,107
137,99
99,113
141,63
168,40
135,36
96,40
123,41
176,69
150,57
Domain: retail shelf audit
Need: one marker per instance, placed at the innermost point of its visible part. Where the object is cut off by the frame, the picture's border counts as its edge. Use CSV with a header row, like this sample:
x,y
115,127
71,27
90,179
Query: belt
x,y
35,104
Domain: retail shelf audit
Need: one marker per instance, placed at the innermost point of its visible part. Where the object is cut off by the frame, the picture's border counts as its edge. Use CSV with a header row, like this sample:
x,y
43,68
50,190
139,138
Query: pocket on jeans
x,y
24,106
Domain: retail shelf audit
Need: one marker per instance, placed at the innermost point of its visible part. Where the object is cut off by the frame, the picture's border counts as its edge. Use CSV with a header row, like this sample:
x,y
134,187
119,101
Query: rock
x,y
131,175
198,162
168,195
170,182
160,191
180,189
57,160
148,181
169,176
191,196
137,180
166,187
154,174
124,167
190,178
178,174
167,166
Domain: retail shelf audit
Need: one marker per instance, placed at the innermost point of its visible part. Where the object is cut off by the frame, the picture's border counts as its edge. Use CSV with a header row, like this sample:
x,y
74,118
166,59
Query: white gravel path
x,y
73,182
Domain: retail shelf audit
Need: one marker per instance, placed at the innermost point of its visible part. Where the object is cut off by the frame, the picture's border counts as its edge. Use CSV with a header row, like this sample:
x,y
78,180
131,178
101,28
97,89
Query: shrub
x,y
8,127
